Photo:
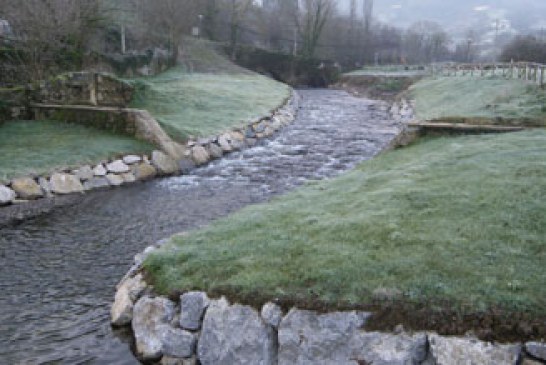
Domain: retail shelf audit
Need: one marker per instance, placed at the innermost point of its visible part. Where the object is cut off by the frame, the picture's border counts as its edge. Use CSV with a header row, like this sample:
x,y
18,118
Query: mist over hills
x,y
457,17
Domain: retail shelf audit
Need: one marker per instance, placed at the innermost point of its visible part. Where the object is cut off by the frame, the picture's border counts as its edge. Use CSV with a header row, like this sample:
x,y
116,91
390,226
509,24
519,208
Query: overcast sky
x,y
458,15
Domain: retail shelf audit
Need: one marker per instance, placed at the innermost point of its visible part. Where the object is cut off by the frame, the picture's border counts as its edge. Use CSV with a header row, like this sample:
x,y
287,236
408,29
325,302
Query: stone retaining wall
x,y
173,160
196,329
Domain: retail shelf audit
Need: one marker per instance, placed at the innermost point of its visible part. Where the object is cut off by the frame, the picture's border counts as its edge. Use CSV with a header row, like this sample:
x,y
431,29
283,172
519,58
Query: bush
x,y
525,48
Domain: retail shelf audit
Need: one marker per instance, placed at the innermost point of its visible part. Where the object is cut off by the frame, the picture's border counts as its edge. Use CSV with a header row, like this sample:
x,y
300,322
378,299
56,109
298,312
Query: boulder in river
x,y
154,334
115,180
26,188
6,195
164,164
96,183
215,151
200,155
144,171
127,293
65,184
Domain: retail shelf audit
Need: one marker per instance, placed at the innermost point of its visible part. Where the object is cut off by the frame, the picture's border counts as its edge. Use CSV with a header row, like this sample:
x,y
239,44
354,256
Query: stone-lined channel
x,y
58,272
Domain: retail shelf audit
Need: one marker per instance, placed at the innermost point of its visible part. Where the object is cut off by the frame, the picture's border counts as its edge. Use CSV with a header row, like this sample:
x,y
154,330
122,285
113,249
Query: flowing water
x,y
58,271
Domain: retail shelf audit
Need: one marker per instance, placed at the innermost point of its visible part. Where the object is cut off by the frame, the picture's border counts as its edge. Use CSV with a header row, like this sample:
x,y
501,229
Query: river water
x,y
58,271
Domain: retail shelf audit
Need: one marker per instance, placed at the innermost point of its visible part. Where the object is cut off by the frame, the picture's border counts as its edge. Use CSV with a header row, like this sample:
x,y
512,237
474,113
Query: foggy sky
x,y
456,16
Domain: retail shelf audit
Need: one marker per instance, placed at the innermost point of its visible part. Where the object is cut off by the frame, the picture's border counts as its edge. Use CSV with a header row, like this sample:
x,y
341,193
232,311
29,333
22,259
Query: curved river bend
x,y
58,271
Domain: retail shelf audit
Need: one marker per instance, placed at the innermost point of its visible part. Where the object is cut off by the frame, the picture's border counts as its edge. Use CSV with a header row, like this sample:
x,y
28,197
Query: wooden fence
x,y
527,71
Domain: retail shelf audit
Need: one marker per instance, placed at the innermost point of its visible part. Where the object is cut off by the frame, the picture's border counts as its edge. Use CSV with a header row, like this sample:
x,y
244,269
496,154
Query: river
x,y
58,271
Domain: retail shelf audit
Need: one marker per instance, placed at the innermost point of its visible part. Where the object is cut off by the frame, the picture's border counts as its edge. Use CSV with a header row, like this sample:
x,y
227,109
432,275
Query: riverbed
x,y
58,271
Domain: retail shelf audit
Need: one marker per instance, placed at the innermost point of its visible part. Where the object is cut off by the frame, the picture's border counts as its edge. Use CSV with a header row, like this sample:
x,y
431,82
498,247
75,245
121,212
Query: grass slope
x,y
469,97
208,94
458,219
37,147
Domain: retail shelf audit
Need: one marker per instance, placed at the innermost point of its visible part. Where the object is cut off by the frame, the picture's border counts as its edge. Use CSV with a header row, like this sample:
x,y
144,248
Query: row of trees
x,y
62,32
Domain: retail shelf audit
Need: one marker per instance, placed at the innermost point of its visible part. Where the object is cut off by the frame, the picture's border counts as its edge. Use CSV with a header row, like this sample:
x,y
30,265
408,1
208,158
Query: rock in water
x,y
27,188
200,155
455,351
154,334
144,171
6,195
235,335
164,164
192,308
115,180
215,151
96,183
65,184
127,293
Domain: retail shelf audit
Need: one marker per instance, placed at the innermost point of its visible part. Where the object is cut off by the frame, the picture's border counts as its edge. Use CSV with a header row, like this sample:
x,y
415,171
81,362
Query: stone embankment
x,y
173,160
199,330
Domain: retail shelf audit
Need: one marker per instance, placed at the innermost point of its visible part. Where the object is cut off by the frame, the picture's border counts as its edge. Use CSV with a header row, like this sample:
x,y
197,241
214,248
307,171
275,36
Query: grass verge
x,y
499,101
203,104
458,221
37,147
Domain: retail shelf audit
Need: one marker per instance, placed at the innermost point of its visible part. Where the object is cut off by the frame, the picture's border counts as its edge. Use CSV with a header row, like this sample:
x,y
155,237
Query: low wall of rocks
x,y
174,159
196,329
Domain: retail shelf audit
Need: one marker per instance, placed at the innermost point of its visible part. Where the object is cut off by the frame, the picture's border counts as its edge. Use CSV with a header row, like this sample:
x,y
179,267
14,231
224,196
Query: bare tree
x,y
425,42
237,10
52,32
315,14
172,18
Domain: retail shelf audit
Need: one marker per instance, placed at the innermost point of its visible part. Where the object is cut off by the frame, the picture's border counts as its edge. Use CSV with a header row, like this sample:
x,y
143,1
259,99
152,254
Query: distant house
x,y
5,28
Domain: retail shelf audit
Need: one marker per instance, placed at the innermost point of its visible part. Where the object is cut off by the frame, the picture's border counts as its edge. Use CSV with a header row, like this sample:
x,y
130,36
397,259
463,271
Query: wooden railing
x,y
527,71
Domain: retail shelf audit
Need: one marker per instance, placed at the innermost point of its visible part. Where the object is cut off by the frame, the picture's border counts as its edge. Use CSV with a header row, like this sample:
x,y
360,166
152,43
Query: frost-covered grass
x,y
458,219
388,70
203,104
485,97
37,147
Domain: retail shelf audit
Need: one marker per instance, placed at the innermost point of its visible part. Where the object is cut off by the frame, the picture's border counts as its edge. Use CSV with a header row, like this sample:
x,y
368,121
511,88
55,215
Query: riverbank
x,y
442,236
43,191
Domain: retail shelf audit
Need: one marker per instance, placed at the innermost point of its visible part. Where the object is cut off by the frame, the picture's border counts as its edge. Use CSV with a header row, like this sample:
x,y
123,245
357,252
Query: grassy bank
x,y
498,100
203,104
458,220
36,147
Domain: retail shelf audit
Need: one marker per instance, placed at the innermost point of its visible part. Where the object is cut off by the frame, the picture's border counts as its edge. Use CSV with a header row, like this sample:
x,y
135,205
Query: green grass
x,y
459,220
479,97
37,147
203,104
